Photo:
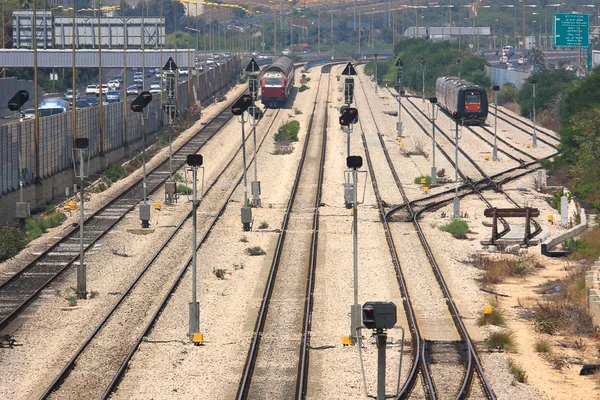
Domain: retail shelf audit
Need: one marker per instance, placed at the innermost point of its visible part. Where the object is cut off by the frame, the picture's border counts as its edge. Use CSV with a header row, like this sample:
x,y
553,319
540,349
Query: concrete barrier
x,y
592,286
552,241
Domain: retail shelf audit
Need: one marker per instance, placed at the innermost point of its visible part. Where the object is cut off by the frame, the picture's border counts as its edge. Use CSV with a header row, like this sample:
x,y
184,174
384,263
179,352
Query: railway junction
x,y
275,300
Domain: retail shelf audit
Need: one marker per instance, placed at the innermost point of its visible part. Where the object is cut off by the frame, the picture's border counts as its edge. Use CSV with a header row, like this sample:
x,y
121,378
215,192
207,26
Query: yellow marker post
x,y
72,205
198,339
487,309
399,139
157,206
423,181
346,341
426,189
487,157
528,145
550,218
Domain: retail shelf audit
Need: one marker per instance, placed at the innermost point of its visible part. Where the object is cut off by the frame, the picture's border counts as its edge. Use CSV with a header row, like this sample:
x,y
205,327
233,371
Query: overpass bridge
x,y
88,58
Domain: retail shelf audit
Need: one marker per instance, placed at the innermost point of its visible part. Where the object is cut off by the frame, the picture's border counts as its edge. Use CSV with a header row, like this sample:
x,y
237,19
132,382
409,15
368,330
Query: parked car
x,y
79,104
91,89
92,101
113,97
132,90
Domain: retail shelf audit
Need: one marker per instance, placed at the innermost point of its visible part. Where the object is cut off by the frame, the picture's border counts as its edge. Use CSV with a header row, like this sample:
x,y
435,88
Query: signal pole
x,y
495,149
238,108
195,162
456,199
253,69
433,101
400,90
82,145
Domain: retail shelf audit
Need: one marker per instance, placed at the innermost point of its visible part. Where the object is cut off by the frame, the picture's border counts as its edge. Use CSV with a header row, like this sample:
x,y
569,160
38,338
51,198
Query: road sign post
x,y
571,30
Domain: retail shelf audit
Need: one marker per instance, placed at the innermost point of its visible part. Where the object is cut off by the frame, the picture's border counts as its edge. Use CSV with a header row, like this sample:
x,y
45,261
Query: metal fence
x,y
500,76
17,140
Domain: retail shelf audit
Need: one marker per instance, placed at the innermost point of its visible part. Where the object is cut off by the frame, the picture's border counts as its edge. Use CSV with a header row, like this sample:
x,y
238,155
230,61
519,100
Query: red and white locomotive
x,y
276,82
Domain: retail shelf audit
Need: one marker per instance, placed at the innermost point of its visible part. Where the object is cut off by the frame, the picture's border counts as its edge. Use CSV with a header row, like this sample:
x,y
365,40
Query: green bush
x,y
184,189
496,317
575,244
303,88
255,251
427,179
518,372
501,340
458,228
288,132
114,172
12,241
542,346
508,94
35,228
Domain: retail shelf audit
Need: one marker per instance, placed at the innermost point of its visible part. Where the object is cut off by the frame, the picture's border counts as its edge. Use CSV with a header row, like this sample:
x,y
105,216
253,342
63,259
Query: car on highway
x,y
105,89
113,97
118,78
510,68
69,94
114,85
286,52
132,90
154,91
91,89
137,76
138,83
52,107
28,114
155,85
92,101
521,61
81,104
183,71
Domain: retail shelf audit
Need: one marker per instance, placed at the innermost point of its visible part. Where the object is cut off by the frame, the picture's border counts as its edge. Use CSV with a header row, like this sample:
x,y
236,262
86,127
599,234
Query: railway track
x,y
135,312
277,362
22,288
473,362
510,118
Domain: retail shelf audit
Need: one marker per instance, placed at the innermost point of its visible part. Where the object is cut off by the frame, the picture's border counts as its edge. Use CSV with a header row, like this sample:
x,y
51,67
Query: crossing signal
x,y
18,100
349,116
141,101
241,105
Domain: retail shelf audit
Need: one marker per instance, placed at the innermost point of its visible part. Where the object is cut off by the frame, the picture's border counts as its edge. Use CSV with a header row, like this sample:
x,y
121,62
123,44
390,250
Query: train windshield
x,y
273,82
472,101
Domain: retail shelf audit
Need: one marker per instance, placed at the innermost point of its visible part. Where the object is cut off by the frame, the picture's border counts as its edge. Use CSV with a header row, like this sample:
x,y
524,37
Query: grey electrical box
x,y
23,210
399,128
349,195
246,215
170,187
379,315
256,188
145,212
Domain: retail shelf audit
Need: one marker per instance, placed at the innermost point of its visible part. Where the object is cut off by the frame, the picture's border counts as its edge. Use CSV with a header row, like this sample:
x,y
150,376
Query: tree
x,y
536,56
550,84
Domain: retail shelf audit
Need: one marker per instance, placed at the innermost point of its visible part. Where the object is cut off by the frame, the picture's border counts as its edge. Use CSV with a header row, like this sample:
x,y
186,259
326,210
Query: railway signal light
x,y
18,100
241,105
379,315
141,101
349,116
255,112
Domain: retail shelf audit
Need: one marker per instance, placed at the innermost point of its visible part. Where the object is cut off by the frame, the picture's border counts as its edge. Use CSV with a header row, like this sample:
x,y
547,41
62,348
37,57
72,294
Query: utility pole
x,y
458,66
81,144
253,69
433,101
496,88
195,162
400,90
456,199
354,163
534,140
238,108
101,121
423,71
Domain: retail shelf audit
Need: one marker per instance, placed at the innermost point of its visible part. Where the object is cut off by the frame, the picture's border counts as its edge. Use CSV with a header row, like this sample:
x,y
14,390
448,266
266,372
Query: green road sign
x,y
571,30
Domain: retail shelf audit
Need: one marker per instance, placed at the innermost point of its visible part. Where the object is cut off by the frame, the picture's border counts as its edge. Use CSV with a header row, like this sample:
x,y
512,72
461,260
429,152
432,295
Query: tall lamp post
x,y
534,139
523,36
423,71
496,88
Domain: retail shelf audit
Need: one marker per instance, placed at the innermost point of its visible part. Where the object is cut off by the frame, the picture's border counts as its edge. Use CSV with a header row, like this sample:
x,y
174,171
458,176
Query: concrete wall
x,y
500,76
552,241
17,146
592,286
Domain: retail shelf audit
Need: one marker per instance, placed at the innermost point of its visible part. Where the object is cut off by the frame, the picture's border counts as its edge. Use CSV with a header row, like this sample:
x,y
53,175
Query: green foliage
x,y
303,88
35,228
542,346
178,177
255,251
551,83
575,244
440,60
507,94
426,177
496,317
554,201
458,228
219,273
12,241
519,373
501,340
114,172
184,189
288,132
263,225
72,300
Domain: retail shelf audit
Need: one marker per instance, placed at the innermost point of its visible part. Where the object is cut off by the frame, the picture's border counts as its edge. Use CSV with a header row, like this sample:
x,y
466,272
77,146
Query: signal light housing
x,y
241,105
141,101
18,100
349,116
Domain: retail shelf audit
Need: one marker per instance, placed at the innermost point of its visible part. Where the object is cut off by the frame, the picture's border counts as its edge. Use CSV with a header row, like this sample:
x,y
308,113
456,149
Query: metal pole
x,y
381,337
244,159
36,122
145,224
534,140
375,73
348,140
101,122
495,150
81,271
355,313
354,14
125,38
194,306
433,170
423,64
255,193
74,82
456,200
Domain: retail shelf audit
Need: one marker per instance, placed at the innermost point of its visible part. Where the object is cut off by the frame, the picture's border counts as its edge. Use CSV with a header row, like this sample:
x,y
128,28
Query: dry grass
x,y
514,107
517,372
542,346
501,340
418,150
283,148
588,246
496,271
563,309
496,317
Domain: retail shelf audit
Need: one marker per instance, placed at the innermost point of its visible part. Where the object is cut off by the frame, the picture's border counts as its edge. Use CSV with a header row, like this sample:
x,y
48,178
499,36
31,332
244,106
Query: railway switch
x,y
379,315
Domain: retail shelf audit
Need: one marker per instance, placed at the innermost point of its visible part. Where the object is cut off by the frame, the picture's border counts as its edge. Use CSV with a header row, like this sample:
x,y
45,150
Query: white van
x,y
509,50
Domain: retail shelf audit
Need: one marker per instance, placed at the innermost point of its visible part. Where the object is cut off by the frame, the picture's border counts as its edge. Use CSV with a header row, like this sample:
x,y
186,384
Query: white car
x,y
286,52
521,61
91,89
114,85
154,91
155,85
183,71
105,89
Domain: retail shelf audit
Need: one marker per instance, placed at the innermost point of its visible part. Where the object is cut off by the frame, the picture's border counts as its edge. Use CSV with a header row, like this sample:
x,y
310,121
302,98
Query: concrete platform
x,y
516,236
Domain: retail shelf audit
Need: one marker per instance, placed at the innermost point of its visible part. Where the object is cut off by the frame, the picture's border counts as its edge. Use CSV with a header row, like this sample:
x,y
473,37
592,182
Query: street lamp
x,y
557,5
534,140
423,71
495,149
514,22
523,37
458,66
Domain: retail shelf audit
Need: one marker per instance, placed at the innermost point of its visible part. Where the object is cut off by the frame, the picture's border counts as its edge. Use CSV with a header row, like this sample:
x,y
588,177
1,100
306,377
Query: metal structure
x,y
534,137
525,212
195,162
400,90
434,111
82,145
496,89
113,31
22,28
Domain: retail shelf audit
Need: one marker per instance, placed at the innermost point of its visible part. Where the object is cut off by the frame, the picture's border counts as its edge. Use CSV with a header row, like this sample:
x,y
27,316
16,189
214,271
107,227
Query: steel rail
x,y
249,365
72,362
17,282
527,123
